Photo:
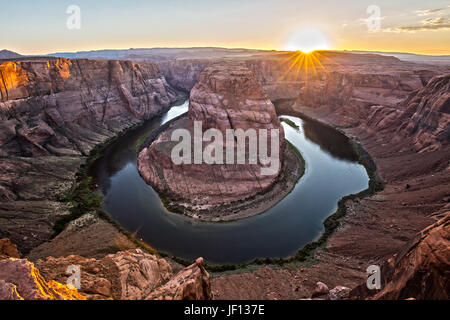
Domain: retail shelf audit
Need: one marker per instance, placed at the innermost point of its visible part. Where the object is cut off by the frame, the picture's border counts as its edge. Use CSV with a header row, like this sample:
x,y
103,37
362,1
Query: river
x,y
332,172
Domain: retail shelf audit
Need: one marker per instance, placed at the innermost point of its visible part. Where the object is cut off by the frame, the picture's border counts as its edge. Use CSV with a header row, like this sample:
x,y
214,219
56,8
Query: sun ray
x,y
301,64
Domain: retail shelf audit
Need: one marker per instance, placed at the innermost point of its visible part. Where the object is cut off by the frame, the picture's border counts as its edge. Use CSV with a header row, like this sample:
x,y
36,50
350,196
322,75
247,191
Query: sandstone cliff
x,y
397,112
341,86
419,271
424,117
65,107
52,113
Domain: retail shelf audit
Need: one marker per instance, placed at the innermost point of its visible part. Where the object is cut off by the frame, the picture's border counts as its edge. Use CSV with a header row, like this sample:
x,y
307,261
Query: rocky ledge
x,y
227,96
419,271
125,275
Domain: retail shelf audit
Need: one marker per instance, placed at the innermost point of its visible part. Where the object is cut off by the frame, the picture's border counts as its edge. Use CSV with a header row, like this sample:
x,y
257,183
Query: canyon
x,y
54,111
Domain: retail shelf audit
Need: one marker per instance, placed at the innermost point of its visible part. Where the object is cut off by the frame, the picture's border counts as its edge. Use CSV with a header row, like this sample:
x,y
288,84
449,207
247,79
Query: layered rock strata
x,y
52,114
227,97
419,271
408,142
424,116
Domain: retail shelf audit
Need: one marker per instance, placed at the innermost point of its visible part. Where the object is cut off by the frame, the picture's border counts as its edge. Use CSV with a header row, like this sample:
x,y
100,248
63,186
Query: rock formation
x,y
369,102
126,275
8,249
339,86
321,292
226,97
192,283
131,275
21,280
424,116
65,107
419,271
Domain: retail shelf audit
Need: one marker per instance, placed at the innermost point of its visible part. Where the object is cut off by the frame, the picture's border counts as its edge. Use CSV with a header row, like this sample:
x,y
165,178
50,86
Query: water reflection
x,y
329,140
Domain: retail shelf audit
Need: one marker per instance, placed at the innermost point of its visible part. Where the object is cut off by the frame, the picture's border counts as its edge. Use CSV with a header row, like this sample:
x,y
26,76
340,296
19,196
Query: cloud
x,y
427,12
435,21
428,24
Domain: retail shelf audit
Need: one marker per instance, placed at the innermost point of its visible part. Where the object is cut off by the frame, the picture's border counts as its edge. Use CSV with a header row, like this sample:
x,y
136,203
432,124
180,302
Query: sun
x,y
307,40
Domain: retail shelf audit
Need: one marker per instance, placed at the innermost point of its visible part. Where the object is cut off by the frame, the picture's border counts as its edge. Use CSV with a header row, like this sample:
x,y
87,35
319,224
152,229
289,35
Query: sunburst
x,y
303,64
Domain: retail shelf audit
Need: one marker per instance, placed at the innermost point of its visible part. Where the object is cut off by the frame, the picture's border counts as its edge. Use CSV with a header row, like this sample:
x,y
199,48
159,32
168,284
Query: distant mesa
x,y
6,54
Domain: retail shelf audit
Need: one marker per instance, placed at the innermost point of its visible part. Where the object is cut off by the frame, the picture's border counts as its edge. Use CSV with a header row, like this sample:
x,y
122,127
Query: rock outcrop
x,y
21,280
230,97
131,275
341,86
126,275
419,271
226,97
192,283
321,292
65,107
8,249
423,117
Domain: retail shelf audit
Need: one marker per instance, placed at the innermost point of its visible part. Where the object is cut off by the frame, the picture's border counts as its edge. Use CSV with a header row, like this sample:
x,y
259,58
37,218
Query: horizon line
x,y
226,48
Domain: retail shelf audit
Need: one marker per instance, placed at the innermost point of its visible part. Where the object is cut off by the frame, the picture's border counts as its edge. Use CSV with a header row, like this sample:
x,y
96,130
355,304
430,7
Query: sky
x,y
40,26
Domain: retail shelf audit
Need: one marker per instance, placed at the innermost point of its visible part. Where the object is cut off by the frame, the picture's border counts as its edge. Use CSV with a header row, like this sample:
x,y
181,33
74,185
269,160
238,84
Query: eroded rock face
x,y
321,292
226,97
64,107
424,117
21,280
192,283
131,275
339,87
419,271
230,97
52,114
126,275
427,115
87,236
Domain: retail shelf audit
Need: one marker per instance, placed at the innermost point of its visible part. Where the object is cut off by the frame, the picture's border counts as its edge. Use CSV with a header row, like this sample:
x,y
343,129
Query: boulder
x,y
192,283
8,249
321,291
